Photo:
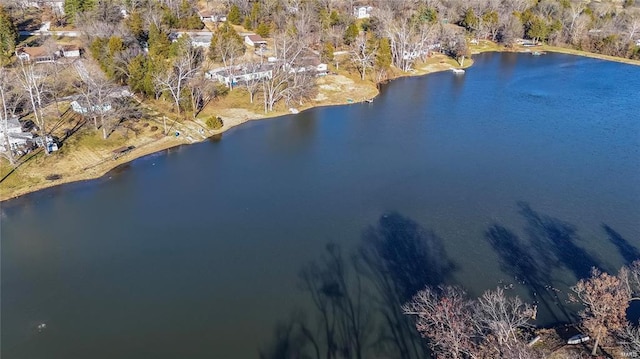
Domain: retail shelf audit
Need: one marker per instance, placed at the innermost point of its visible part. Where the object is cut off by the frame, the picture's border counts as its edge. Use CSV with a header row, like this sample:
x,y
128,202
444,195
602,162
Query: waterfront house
x,y
235,75
255,40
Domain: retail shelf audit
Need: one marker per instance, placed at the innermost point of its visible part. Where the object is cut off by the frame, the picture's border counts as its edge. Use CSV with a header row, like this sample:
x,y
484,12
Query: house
x,y
254,40
70,51
35,54
322,69
78,108
211,16
638,42
17,138
235,75
362,12
201,40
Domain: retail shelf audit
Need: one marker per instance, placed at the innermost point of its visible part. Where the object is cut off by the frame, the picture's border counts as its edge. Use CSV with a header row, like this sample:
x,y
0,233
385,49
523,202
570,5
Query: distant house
x,y
17,138
232,76
362,12
35,54
255,40
201,40
70,51
211,16
322,69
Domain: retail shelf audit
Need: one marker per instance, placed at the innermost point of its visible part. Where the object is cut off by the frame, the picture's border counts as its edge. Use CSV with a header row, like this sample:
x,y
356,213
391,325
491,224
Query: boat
x,y
536,53
577,339
369,100
458,71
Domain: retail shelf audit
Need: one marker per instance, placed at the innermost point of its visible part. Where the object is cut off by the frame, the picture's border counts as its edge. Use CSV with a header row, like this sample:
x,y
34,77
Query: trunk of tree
x,y
595,345
5,125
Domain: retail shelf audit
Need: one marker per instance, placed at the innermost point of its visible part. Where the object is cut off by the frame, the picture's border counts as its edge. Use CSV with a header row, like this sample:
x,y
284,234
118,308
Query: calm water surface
x,y
524,169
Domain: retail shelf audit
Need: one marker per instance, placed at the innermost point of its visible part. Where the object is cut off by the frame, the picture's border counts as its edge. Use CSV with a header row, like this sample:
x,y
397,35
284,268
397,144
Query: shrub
x,y
214,122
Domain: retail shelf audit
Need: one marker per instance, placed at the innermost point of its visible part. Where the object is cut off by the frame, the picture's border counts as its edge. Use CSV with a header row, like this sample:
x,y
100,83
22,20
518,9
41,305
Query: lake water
x,y
524,170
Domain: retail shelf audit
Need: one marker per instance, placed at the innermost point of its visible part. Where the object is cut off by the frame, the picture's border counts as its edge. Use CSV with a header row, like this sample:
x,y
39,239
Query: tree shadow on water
x,y
629,252
519,260
356,299
555,242
410,256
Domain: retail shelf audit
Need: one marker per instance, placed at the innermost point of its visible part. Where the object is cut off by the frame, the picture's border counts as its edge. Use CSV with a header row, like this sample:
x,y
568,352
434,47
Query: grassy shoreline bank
x,y
32,174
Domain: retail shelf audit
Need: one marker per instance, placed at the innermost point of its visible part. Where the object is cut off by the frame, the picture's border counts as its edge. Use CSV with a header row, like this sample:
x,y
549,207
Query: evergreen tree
x,y
73,7
234,17
247,23
350,33
226,43
8,36
263,30
254,16
327,51
383,57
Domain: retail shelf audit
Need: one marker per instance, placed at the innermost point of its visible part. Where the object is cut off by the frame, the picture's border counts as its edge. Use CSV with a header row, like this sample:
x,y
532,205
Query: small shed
x,y
255,40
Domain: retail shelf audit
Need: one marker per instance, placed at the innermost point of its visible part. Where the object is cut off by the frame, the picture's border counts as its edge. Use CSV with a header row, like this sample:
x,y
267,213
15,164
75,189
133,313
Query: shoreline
x,y
105,166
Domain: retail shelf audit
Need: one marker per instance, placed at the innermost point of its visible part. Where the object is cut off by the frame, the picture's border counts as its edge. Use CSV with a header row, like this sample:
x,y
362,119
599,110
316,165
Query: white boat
x,y
577,339
458,71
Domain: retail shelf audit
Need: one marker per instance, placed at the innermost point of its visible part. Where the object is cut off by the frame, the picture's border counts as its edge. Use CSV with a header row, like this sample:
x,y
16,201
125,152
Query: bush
x,y
214,122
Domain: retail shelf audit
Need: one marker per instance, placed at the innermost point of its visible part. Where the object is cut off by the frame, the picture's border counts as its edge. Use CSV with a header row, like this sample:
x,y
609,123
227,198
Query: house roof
x,y
201,38
70,48
13,123
255,38
206,13
35,51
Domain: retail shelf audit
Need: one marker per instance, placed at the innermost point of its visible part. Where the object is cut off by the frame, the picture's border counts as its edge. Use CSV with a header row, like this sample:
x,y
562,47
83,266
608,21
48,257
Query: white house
x,y
70,51
322,69
16,137
254,40
201,40
239,74
78,108
362,12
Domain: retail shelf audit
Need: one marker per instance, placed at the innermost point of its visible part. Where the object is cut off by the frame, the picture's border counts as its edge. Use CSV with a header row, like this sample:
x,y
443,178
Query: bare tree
x,y
201,91
630,336
175,79
605,298
98,97
363,54
5,88
33,78
287,81
253,83
445,317
503,316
